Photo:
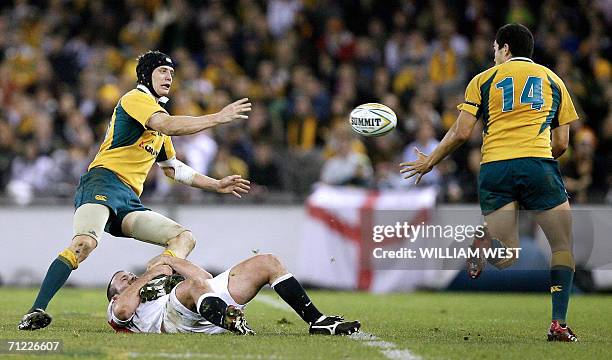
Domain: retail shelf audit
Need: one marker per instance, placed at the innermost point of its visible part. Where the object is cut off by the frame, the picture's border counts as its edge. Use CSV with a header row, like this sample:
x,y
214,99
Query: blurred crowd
x,y
305,65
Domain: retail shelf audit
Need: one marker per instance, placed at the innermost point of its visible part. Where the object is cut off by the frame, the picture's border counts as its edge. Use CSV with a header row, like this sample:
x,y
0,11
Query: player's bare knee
x,y
183,243
82,246
188,240
271,262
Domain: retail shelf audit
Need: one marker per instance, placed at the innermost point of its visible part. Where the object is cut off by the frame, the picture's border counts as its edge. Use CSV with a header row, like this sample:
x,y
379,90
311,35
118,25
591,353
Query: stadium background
x,y
305,65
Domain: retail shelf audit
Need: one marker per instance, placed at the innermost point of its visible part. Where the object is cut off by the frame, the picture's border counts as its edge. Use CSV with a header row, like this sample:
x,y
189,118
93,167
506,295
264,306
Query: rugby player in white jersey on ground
x,y
205,304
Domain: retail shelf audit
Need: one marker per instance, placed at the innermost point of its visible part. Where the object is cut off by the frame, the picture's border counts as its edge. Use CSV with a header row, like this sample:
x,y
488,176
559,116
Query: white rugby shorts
x,y
179,319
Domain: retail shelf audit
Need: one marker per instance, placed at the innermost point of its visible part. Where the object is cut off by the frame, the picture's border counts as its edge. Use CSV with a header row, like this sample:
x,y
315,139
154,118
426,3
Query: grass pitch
x,y
424,325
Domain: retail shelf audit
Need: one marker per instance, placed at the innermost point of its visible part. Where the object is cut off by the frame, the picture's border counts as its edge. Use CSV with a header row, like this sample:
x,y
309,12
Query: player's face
x,y
162,79
124,279
501,54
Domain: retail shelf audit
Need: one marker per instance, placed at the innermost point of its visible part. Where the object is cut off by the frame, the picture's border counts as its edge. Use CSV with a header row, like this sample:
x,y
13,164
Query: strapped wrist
x,y
182,173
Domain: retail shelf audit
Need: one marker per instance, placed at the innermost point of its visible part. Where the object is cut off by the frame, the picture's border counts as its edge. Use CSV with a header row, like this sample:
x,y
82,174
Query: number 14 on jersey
x,y
531,94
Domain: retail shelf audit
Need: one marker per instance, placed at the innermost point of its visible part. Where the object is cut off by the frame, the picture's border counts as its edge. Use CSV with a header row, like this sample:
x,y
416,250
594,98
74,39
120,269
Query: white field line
x,y
192,355
388,349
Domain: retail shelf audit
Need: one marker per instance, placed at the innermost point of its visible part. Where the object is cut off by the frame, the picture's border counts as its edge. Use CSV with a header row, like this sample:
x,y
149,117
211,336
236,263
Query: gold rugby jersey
x,y
129,148
520,102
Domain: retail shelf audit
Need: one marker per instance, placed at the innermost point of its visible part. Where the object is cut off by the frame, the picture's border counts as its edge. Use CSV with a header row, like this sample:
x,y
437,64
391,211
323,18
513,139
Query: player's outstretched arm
x,y
180,172
175,125
458,134
233,184
127,302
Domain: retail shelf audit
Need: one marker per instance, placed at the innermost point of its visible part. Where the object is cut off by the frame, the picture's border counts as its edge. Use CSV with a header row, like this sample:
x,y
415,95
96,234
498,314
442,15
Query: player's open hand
x,y
419,167
234,111
235,185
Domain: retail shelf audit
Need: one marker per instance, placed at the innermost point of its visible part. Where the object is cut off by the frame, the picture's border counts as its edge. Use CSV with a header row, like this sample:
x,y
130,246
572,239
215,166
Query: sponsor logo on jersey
x,y
148,147
100,197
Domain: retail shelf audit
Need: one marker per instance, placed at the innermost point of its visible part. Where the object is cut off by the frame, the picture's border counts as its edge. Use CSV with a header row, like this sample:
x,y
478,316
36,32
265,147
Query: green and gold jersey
x,y
519,102
129,148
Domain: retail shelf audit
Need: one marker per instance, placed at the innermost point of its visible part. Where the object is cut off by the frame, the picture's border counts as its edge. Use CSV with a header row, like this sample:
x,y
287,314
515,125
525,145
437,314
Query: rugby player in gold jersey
x,y
108,195
526,110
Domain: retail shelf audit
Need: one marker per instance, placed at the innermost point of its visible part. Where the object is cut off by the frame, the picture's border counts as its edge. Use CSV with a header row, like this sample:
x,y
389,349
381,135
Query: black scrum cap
x,y
148,62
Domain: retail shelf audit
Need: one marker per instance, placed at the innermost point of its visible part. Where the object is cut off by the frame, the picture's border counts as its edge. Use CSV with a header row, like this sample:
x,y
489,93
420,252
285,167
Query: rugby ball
x,y
373,119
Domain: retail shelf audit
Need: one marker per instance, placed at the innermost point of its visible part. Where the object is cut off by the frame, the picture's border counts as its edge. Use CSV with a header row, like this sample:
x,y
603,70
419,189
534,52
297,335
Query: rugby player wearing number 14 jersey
x,y
526,110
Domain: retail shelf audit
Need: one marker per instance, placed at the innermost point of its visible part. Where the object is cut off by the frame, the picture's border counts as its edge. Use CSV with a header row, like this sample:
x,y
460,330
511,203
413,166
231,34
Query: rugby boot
x,y
476,264
34,320
560,333
334,325
235,321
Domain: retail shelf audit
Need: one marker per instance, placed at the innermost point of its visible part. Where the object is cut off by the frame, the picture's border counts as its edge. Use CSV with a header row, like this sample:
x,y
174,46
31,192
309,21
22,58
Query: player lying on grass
x,y
204,304
523,106
108,195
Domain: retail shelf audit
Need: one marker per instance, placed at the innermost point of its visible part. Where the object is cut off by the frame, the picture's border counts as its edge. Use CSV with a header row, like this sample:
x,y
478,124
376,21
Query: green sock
x,y
561,278
54,280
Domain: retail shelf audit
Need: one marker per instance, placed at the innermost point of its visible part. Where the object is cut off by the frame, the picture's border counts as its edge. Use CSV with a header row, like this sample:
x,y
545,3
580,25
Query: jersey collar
x,y
520,58
162,100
